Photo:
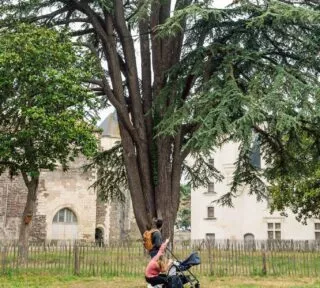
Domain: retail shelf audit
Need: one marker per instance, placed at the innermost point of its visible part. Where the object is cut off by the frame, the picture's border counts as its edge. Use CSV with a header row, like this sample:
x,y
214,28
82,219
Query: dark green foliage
x,y
257,74
199,172
112,179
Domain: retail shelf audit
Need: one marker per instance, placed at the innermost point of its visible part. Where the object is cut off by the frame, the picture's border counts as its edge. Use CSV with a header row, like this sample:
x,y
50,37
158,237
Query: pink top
x,y
153,268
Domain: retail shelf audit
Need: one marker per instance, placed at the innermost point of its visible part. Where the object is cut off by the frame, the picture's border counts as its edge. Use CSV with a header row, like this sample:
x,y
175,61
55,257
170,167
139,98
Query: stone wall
x,y
70,190
103,218
38,229
122,222
13,196
57,190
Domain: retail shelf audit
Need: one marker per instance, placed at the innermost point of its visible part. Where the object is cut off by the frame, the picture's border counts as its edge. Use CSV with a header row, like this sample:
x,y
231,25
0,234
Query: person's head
x,y
162,262
159,223
148,227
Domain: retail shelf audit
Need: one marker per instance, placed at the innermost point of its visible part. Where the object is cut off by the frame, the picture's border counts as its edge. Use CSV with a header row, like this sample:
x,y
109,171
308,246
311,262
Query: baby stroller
x,y
179,273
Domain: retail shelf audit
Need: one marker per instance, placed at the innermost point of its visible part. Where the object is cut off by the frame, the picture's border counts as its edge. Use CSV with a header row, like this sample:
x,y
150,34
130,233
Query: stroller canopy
x,y
192,260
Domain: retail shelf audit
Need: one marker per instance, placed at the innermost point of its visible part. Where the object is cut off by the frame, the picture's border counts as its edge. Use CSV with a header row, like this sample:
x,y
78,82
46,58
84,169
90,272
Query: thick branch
x,y
25,178
69,21
188,130
51,15
146,77
189,83
143,153
120,107
176,172
95,81
82,32
268,137
130,59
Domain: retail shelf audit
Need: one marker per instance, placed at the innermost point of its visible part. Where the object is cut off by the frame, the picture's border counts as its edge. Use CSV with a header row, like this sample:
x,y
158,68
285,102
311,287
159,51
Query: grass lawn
x,y
36,281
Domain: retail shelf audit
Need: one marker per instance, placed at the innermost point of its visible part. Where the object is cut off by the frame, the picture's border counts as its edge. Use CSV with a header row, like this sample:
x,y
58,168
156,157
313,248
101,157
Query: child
x,y
158,264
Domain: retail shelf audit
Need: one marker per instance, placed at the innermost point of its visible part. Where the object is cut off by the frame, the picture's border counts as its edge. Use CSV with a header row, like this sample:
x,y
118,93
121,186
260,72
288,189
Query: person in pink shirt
x,y
158,264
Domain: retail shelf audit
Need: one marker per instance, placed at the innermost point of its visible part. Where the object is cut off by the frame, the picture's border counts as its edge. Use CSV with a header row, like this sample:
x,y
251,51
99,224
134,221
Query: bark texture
x,y
27,215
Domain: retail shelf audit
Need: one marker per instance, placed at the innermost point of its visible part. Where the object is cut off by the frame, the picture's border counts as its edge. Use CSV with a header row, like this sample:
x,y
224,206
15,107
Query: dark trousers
x,y
160,279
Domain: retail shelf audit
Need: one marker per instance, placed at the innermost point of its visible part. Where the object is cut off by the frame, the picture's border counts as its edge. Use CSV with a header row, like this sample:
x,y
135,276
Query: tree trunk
x,y
25,226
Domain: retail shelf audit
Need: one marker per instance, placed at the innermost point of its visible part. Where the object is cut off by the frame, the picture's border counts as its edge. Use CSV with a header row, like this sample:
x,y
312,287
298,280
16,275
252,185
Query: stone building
x,y
248,219
67,208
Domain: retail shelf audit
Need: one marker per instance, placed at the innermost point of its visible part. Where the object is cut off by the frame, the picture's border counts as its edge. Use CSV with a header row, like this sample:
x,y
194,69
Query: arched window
x,y
248,237
65,215
64,225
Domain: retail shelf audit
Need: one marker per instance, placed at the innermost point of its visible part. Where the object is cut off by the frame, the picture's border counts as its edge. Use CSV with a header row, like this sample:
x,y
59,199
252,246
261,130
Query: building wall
x,y
103,218
57,190
247,216
13,195
71,190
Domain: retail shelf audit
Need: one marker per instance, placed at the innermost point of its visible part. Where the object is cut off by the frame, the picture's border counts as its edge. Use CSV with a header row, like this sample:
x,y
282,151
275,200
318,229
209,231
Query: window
x,y
211,184
210,236
317,231
210,212
255,157
210,187
274,231
64,225
65,215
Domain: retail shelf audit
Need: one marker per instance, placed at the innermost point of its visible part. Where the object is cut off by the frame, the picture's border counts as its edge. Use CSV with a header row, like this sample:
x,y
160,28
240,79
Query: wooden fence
x,y
219,257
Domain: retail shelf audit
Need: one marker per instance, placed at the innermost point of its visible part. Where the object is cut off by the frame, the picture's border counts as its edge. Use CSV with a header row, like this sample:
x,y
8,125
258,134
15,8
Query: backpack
x,y
147,239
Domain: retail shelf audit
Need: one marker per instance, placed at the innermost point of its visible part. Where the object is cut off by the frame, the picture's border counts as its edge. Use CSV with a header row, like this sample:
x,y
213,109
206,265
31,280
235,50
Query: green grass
x,y
46,280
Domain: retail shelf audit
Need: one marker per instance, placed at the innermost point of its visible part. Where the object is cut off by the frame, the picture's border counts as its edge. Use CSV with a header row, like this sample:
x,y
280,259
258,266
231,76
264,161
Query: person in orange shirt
x,y
157,265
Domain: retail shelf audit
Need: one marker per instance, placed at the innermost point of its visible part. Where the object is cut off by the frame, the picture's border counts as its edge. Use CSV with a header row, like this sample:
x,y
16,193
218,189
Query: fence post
x,y
76,260
210,257
264,260
4,259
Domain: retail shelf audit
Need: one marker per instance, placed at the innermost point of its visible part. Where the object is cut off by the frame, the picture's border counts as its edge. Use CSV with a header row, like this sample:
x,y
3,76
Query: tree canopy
x,y
44,119
207,76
